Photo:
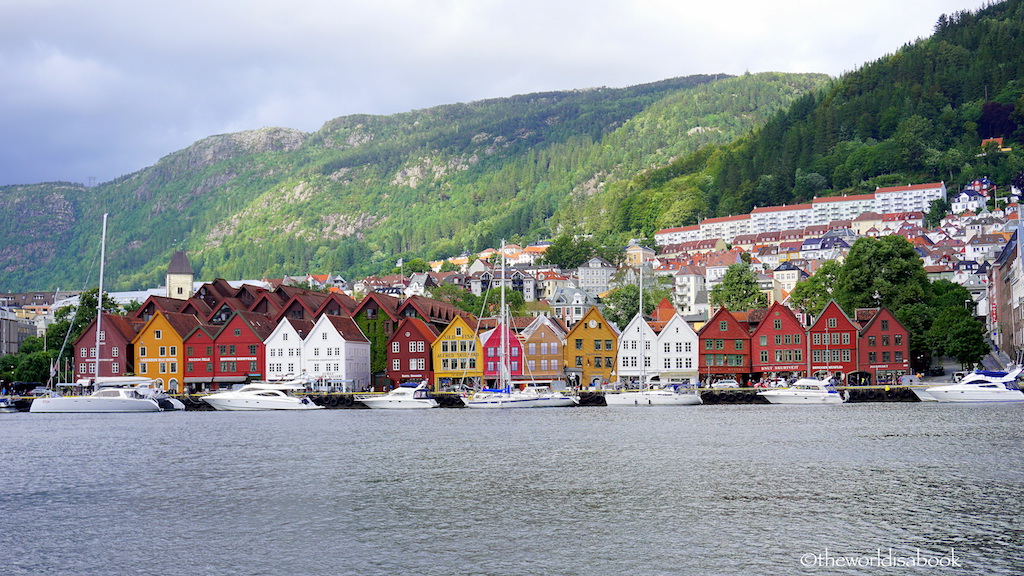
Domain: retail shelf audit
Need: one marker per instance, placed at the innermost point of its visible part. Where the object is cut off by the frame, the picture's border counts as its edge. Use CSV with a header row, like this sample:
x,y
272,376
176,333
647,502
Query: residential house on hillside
x,y
549,282
595,275
637,255
570,305
716,266
788,275
690,293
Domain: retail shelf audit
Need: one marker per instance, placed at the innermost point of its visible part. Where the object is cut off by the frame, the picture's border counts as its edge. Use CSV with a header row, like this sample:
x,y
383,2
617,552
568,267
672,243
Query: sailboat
x,y
507,394
113,394
647,395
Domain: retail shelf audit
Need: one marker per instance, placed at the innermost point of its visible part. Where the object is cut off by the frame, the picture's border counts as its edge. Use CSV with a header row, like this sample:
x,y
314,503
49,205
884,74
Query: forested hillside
x,y
363,191
915,116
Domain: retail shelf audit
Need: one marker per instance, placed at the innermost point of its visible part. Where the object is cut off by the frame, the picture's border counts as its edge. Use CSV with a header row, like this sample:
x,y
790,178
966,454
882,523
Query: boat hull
x,y
953,394
383,402
69,404
247,404
641,398
789,397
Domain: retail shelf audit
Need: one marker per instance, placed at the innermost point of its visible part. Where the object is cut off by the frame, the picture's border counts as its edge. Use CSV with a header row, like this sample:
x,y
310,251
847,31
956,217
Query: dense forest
x,y
915,116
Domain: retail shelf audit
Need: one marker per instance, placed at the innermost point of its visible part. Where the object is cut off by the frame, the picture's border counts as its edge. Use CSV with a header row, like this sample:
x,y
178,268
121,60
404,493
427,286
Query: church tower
x,y
179,277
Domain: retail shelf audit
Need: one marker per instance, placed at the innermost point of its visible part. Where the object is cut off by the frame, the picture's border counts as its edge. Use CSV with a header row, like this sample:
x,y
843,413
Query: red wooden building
x,y
409,352
833,346
724,344
779,345
884,347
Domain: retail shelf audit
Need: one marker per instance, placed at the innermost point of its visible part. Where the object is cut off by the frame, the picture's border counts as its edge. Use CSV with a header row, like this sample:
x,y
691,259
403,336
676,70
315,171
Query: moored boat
x,y
261,396
103,400
978,386
678,396
804,391
409,395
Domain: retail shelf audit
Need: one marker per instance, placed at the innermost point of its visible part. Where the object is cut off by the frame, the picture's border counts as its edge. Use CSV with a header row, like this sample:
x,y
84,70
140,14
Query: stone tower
x,y
179,277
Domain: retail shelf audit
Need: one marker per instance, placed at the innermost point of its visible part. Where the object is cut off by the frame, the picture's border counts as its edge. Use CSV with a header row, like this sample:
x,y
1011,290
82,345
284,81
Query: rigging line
x,y
78,310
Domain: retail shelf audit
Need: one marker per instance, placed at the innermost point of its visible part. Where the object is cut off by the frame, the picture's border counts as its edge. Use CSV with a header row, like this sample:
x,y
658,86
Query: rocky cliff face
x,y
40,216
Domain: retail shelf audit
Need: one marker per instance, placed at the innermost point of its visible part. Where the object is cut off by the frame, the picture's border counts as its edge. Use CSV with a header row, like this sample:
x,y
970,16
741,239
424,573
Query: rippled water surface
x,y
591,491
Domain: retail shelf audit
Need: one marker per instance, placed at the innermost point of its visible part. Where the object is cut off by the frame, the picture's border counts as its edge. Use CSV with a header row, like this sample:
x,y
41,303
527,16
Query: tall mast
x,y
503,356
643,341
99,298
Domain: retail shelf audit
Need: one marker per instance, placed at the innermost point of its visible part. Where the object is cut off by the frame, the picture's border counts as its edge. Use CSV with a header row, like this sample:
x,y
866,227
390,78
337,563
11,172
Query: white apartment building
x,y
726,227
842,207
771,218
916,198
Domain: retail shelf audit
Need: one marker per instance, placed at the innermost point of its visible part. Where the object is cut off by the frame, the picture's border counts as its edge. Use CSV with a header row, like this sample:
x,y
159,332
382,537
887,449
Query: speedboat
x,y
408,395
7,405
804,391
667,396
103,400
978,386
261,396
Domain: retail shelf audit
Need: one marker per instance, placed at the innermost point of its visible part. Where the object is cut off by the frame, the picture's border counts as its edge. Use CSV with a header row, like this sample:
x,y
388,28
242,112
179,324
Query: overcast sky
x,y
103,88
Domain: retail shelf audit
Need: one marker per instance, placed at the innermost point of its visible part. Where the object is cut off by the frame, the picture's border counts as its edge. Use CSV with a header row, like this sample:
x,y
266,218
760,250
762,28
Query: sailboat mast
x,y
643,341
503,356
99,299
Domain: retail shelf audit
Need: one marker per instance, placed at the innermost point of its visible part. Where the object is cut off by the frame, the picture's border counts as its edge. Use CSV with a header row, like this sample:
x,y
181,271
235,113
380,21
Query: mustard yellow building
x,y
590,351
159,353
458,360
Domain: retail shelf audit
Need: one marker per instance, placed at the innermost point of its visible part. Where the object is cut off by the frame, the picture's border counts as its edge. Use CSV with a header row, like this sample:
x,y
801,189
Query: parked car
x,y
726,383
958,376
940,371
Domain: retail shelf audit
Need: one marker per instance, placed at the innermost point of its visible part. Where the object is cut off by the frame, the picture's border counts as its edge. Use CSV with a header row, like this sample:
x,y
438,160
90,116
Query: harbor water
x,y
728,489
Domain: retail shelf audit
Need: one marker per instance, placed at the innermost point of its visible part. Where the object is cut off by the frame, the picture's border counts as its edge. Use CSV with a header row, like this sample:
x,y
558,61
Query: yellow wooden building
x,y
457,357
590,351
159,353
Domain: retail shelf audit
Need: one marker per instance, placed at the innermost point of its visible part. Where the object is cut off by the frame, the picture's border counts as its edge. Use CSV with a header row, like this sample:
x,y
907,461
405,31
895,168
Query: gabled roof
x,y
347,327
389,304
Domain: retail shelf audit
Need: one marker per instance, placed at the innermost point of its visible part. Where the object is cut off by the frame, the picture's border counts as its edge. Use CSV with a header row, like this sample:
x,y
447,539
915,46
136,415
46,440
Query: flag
x,y
399,263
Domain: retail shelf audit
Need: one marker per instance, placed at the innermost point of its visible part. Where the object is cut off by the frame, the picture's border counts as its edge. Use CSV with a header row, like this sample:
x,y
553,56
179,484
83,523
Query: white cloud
x,y
109,86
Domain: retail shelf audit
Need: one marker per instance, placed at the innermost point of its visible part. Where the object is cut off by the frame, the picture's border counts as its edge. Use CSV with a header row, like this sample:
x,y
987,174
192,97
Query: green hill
x,y
915,116
363,191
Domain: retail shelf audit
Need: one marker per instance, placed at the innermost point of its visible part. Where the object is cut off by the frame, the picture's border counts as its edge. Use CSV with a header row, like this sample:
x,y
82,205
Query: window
x,y
253,367
396,364
846,337
115,352
597,362
832,323
898,356
719,344
764,340
163,367
163,351
871,341
143,368
412,346
515,351
115,367
158,334
554,348
396,347
103,335
885,339
689,347
189,351
608,361
723,325
778,339
190,367
231,350
885,325
796,339
223,349
886,356
764,355
737,345
816,339
579,361
667,347
898,339
323,336
238,331
777,324
597,344
458,330
419,345
252,349
285,336
174,351
579,343
608,345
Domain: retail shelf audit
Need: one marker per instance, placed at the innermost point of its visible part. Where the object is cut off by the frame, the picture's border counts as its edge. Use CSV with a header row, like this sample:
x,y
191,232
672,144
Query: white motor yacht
x,y
978,386
409,395
261,396
804,391
102,400
678,396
